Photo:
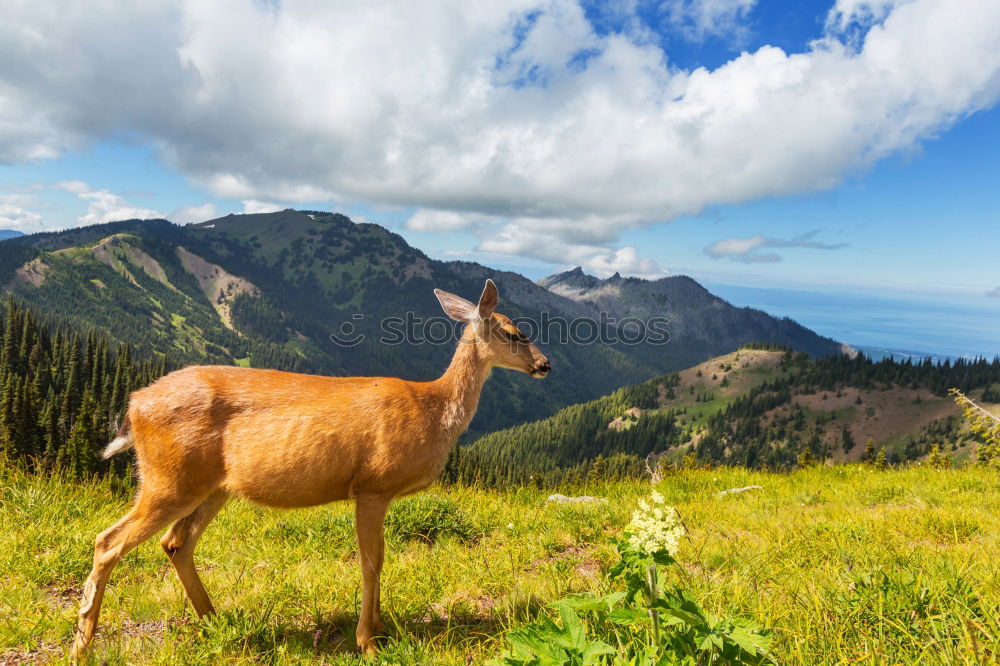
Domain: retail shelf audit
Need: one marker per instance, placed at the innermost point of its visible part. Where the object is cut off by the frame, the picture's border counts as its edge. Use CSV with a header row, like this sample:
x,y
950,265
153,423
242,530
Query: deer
x,y
204,434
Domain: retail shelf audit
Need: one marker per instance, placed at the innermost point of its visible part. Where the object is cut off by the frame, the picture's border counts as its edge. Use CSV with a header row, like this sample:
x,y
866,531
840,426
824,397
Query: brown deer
x,y
206,433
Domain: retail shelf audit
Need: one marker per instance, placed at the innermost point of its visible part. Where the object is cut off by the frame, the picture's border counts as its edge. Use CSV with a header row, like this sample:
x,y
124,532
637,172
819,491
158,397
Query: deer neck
x,y
460,386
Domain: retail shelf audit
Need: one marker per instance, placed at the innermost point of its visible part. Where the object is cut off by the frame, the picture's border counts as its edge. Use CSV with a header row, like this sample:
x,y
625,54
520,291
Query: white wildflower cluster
x,y
655,526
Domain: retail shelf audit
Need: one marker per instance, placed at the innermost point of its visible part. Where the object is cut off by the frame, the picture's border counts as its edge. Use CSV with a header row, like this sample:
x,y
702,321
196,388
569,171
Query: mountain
x,y
10,233
701,324
272,290
755,407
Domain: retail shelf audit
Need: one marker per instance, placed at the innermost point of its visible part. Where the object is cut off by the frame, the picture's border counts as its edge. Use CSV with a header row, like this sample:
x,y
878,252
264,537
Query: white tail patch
x,y
118,445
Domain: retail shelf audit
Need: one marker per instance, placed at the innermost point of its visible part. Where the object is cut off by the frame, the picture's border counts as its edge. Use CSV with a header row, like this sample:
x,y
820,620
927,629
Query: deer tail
x,y
123,442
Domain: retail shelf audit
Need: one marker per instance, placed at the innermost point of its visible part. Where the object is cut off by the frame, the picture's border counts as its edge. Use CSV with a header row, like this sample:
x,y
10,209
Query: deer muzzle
x,y
541,369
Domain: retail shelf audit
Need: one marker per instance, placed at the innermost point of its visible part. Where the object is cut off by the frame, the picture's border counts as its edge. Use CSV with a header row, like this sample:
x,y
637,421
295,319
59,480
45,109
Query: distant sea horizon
x,y
905,326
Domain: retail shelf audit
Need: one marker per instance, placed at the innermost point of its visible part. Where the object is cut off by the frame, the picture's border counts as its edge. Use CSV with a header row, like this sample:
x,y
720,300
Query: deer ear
x,y
456,307
489,300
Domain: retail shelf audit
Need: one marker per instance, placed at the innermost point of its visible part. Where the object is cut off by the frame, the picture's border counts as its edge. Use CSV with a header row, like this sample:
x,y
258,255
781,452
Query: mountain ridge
x,y
271,290
691,309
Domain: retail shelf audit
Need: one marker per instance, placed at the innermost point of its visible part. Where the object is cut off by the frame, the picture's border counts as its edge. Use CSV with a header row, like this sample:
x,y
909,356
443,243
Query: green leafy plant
x,y
650,626
545,643
682,632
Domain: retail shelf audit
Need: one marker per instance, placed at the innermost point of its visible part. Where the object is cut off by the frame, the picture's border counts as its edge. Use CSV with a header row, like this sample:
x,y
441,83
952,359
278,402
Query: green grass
x,y
845,564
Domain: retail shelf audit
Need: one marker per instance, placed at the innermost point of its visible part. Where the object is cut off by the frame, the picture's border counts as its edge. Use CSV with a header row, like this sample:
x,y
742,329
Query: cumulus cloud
x,y
861,13
189,214
624,260
515,239
251,206
519,111
104,205
14,213
698,19
444,220
746,249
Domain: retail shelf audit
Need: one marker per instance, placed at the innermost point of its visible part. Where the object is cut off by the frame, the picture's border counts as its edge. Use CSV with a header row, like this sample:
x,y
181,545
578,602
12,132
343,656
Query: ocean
x,y
879,325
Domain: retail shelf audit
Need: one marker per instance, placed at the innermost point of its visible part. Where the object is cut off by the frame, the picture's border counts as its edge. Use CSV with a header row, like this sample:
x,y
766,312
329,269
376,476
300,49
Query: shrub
x,y
984,424
938,460
428,518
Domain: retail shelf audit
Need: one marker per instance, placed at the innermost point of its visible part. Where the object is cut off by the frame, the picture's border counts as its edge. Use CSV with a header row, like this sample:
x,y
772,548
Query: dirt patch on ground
x,y
585,566
45,653
625,422
887,415
218,286
62,596
32,273
741,371
480,607
152,629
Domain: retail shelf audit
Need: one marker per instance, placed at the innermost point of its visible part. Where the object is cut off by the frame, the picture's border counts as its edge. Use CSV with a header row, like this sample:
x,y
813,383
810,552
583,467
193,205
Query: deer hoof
x,y
80,645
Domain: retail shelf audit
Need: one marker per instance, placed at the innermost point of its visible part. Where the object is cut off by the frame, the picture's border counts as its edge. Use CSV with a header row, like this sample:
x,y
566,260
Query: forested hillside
x,y
269,290
63,391
755,407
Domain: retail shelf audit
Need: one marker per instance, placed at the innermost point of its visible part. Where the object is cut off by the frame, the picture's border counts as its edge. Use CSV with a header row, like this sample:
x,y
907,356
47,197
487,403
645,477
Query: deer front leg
x,y
370,519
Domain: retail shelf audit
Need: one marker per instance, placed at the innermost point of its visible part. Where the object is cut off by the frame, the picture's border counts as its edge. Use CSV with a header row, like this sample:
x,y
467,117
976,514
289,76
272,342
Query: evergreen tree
x,y
881,462
59,401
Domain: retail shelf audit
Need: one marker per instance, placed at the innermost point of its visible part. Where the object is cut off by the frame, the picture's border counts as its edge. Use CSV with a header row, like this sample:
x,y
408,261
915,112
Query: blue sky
x,y
774,144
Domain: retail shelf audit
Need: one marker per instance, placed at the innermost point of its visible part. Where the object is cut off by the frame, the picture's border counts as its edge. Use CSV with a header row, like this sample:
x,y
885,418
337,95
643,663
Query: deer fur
x,y
207,433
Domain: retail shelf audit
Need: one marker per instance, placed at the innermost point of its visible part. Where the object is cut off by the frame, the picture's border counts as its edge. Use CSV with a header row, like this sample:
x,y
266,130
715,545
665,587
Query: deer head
x,y
498,340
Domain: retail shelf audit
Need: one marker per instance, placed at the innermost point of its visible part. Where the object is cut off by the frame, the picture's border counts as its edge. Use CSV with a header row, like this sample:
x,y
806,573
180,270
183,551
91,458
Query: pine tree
x,y
846,439
597,469
938,460
81,446
869,450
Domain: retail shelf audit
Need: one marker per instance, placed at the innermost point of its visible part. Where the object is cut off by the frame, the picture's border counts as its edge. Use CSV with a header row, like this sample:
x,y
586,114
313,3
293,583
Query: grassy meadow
x,y
844,564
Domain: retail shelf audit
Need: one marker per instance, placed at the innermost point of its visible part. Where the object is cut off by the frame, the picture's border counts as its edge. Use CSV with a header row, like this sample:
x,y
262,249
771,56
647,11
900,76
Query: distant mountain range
x,y
697,317
9,233
269,290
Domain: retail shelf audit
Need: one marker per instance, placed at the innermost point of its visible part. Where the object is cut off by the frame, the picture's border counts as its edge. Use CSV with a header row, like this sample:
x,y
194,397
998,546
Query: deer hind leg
x,y
150,513
179,543
370,518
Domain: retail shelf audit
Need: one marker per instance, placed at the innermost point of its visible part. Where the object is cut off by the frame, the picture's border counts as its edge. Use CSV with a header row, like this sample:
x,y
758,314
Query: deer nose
x,y
543,368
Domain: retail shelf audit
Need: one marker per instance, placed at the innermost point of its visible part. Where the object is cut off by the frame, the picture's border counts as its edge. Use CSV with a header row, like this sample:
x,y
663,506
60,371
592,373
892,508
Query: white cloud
x,y
74,186
514,239
104,205
251,206
698,19
189,214
485,107
444,220
862,13
14,214
745,249
625,260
